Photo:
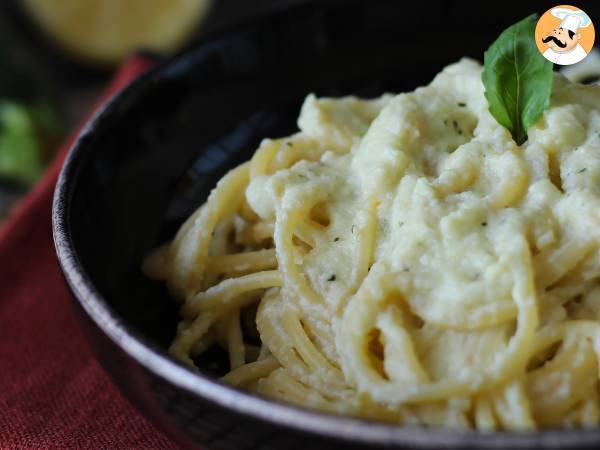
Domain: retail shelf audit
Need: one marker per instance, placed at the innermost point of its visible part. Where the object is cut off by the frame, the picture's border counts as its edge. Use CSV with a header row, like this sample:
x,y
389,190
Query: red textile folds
x,y
53,394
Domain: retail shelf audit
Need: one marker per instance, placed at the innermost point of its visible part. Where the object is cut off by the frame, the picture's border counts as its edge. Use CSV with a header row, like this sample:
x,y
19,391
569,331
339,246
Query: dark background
x,y
25,50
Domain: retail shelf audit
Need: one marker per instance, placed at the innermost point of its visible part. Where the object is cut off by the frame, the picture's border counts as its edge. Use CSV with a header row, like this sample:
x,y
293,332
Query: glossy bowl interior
x,y
151,157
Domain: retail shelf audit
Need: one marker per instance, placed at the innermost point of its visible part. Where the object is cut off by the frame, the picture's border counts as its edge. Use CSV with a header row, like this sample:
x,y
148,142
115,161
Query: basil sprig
x,y
517,79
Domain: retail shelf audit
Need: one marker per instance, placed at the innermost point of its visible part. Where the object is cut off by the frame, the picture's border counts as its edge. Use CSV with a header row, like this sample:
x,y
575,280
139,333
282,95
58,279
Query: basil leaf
x,y
517,79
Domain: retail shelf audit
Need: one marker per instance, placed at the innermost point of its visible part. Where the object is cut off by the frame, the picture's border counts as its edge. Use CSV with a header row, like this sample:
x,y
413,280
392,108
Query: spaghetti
x,y
402,259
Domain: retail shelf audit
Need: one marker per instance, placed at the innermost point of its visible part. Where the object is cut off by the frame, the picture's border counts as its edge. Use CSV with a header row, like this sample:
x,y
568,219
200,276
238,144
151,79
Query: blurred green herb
x,y
517,79
24,130
30,122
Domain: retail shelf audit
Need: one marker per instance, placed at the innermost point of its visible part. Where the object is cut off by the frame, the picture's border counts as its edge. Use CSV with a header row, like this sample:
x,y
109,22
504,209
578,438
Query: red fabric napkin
x,y
53,394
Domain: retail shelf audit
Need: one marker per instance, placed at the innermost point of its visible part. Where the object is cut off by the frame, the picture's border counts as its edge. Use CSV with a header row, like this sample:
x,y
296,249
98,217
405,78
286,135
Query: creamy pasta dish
x,y
403,259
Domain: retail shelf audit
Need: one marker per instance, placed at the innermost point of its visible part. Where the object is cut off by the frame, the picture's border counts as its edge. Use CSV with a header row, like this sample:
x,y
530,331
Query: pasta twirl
x,y
402,259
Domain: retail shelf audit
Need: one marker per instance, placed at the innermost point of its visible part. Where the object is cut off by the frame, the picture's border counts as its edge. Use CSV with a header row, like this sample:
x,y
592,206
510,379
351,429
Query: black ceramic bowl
x,y
152,155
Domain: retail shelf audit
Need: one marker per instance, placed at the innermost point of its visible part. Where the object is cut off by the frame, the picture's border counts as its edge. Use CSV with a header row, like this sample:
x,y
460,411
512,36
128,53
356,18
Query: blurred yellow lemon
x,y
105,31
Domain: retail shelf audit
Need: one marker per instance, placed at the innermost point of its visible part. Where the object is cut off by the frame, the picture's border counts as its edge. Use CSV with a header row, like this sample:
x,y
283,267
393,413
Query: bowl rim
x,y
156,360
